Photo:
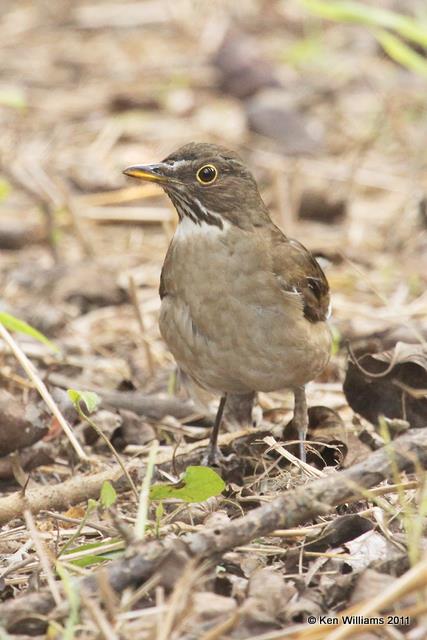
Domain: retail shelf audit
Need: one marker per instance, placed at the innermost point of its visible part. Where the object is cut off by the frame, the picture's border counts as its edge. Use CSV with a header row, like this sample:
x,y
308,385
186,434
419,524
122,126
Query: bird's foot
x,y
302,454
213,457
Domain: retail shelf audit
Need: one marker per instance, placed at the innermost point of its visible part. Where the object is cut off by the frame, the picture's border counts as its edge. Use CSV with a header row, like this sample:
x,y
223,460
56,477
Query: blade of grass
x,y
73,597
400,52
15,324
43,557
141,517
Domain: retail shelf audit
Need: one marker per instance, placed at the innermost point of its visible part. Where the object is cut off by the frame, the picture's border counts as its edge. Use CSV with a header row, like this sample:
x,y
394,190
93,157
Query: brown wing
x,y
165,274
298,271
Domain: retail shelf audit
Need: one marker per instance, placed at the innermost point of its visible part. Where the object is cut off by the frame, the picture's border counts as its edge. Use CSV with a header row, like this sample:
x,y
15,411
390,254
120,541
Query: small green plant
x,y
197,485
107,499
91,401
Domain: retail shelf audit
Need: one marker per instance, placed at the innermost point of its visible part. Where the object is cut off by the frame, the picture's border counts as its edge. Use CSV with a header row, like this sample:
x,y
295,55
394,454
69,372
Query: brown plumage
x,y
244,308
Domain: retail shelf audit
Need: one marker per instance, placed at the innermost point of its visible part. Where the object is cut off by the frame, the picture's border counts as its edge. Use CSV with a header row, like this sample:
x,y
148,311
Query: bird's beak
x,y
148,172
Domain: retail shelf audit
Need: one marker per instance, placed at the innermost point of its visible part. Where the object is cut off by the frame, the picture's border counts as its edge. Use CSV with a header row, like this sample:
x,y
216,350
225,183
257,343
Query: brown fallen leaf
x,y
134,429
268,597
340,530
391,383
364,550
210,606
321,206
20,426
368,584
35,456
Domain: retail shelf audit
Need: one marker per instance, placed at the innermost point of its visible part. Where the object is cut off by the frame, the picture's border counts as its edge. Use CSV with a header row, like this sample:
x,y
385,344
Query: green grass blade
x,y
401,53
14,324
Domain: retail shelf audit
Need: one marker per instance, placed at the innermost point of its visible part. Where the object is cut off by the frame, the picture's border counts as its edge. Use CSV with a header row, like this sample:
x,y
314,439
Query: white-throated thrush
x,y
244,308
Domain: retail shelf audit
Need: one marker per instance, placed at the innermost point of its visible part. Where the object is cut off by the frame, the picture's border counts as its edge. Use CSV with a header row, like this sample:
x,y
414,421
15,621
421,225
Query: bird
x,y
244,308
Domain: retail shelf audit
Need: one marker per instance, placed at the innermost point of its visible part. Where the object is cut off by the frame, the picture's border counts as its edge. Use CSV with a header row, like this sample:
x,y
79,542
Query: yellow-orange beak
x,y
149,172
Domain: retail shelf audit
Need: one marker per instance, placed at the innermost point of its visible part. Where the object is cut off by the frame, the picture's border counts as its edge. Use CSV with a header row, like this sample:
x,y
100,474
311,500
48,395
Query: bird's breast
x,y
225,318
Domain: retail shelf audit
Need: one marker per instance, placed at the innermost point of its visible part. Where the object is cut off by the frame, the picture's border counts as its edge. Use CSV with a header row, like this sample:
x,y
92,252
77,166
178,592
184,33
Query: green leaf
x,y
197,485
14,324
401,53
90,399
108,494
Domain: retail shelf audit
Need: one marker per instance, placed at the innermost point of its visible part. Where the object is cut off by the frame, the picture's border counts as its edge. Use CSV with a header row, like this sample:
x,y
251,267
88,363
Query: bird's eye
x,y
207,174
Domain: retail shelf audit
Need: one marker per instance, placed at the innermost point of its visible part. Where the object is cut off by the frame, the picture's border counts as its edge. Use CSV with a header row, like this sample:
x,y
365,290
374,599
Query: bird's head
x,y
208,184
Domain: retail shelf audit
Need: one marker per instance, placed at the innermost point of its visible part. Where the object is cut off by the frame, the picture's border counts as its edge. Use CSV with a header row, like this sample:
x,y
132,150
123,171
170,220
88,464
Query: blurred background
x,y
326,101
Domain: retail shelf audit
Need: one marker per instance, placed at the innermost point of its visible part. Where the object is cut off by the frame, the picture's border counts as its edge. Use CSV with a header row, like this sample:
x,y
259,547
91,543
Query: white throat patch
x,y
187,229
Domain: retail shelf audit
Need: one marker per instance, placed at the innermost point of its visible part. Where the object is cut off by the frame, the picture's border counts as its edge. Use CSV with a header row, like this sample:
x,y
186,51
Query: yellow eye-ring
x,y
207,174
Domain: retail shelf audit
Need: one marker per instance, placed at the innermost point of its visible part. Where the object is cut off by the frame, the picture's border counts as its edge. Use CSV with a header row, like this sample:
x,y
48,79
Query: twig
x,y
312,472
105,629
31,372
152,406
43,557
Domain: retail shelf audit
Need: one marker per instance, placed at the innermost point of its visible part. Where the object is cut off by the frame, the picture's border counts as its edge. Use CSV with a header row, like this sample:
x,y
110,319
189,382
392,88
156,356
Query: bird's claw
x,y
213,457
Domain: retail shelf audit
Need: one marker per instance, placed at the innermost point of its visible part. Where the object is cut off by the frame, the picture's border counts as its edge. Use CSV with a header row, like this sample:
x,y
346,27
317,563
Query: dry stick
x,y
222,628
295,507
60,496
152,406
134,297
99,618
31,372
307,468
43,557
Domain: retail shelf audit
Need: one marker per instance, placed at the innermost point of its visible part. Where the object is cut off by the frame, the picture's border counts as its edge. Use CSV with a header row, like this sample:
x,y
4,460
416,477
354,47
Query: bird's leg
x,y
213,454
301,418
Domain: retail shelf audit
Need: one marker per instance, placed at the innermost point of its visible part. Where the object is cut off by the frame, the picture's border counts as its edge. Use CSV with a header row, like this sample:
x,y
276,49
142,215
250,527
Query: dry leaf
x,y
391,383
